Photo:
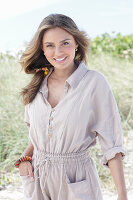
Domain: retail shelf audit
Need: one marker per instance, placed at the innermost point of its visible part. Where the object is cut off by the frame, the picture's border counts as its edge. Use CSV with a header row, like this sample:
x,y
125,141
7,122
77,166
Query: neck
x,y
62,74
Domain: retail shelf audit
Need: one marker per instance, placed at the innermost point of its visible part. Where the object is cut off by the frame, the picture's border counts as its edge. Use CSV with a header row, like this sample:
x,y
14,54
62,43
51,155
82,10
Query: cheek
x,y
48,54
70,50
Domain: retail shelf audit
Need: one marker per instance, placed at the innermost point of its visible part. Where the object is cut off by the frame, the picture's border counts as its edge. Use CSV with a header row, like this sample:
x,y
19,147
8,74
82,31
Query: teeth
x,y
60,59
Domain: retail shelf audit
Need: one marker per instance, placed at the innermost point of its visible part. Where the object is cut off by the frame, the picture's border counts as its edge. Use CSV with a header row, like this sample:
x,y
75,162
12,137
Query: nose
x,y
58,51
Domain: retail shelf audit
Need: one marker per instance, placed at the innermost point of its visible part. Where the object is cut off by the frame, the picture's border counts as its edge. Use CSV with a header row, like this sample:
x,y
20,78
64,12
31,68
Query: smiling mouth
x,y
60,59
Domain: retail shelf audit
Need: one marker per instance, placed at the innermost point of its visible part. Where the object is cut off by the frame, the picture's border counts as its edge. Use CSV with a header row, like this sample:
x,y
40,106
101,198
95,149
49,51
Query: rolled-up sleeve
x,y
107,121
26,116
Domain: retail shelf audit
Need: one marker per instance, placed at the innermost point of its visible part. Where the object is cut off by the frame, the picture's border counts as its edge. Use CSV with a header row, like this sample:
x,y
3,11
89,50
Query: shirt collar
x,y
73,80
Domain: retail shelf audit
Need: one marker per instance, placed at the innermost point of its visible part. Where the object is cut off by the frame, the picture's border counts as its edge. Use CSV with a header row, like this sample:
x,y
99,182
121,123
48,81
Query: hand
x,y
26,169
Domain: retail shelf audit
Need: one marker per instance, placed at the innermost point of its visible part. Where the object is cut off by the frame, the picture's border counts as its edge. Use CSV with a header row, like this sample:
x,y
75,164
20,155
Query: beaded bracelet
x,y
22,159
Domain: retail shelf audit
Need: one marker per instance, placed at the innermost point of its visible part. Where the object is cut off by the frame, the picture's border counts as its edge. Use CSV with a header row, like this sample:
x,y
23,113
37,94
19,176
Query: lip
x,y
60,61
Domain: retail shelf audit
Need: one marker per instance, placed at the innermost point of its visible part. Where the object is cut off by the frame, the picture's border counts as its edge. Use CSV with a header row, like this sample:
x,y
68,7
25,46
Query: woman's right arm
x,y
29,150
25,168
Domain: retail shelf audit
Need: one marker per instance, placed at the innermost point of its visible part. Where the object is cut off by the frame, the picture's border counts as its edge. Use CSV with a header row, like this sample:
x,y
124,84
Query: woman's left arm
x,y
116,168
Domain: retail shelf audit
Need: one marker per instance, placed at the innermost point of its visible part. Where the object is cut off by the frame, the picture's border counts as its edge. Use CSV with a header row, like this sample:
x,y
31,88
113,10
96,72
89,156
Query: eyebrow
x,y
60,41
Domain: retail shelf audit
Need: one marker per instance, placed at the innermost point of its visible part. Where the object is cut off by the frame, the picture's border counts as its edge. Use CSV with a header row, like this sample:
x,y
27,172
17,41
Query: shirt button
x,y
51,118
49,127
53,109
43,191
49,134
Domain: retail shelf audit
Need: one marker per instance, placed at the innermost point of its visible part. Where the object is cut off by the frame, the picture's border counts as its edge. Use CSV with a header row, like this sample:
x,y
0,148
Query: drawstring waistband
x,y
61,157
44,159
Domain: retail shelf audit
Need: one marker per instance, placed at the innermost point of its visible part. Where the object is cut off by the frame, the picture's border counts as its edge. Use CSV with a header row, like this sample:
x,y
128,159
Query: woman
x,y
66,107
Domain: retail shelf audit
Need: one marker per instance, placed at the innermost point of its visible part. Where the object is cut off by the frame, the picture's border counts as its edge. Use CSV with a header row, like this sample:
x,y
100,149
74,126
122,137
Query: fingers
x,y
30,170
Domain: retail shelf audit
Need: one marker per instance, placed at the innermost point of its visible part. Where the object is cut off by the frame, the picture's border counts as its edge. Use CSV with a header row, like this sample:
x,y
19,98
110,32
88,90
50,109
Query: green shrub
x,y
116,45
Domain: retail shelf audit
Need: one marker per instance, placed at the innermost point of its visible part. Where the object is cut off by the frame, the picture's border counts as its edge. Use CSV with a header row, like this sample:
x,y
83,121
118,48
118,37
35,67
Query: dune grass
x,y
119,73
14,133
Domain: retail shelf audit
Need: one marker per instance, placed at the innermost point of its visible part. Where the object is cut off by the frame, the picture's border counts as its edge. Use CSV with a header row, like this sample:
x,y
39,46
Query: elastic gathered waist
x,y
61,157
43,161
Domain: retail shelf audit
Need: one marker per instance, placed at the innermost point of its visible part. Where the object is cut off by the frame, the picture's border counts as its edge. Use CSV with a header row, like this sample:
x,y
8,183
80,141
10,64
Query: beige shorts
x,y
70,176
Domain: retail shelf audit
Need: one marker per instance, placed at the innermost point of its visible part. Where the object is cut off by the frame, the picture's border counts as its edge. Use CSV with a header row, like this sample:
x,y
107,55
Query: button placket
x,y
50,123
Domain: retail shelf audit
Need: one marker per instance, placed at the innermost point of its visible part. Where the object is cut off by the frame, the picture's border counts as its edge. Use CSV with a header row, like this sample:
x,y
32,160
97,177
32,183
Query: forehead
x,y
55,34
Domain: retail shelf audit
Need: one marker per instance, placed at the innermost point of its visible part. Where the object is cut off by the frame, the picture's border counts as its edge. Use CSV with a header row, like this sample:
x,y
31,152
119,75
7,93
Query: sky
x,y
19,19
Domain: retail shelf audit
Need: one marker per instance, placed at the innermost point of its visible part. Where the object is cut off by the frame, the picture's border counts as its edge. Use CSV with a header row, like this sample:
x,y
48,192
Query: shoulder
x,y
94,78
97,77
27,107
97,84
91,74
96,74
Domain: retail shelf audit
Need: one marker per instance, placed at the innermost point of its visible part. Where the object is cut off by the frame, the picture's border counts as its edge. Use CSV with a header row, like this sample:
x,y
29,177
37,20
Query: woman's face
x,y
59,48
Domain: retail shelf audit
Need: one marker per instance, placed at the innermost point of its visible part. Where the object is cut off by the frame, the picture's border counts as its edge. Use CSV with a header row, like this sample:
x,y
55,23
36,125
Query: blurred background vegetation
x,y
115,44
111,55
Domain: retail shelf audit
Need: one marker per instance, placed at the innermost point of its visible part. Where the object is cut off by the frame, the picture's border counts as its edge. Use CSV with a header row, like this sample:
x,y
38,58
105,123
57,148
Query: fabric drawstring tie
x,y
42,166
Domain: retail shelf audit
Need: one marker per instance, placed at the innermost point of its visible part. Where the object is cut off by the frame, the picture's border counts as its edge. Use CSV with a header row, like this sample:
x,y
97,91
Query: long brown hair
x,y
33,57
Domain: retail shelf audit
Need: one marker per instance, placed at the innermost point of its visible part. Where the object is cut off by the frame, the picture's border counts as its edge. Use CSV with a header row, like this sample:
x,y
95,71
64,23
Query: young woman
x,y
66,107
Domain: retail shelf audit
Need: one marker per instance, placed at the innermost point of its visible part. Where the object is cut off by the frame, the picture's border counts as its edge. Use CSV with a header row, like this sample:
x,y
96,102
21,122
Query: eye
x,y
49,45
65,43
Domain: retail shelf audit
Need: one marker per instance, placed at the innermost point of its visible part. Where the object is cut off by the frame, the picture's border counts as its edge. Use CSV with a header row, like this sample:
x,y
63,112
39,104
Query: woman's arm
x,y
29,150
116,169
